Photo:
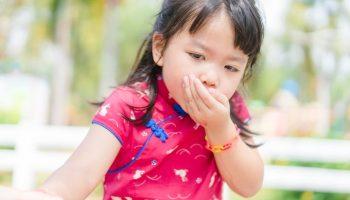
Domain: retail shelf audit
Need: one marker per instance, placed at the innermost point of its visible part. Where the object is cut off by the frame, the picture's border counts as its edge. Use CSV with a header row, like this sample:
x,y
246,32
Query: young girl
x,y
177,128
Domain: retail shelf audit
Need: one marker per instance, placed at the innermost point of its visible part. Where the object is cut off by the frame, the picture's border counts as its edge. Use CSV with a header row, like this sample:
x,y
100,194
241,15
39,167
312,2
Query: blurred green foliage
x,y
87,40
9,116
5,178
135,19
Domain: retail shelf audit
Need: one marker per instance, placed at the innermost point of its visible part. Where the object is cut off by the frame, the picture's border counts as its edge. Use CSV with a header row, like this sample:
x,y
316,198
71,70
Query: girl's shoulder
x,y
134,95
118,106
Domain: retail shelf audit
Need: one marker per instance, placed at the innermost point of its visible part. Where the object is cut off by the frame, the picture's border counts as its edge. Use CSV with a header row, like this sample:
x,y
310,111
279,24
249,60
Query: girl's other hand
x,y
7,193
37,195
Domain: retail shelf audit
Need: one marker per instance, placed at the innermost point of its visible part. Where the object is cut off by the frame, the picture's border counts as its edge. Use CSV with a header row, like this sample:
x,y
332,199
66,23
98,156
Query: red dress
x,y
165,159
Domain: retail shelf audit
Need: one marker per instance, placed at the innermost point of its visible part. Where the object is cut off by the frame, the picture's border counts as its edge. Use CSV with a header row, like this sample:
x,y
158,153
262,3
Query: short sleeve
x,y
111,113
240,108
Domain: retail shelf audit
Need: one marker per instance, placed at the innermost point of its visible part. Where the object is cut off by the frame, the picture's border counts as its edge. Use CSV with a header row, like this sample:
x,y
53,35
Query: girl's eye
x,y
231,68
197,56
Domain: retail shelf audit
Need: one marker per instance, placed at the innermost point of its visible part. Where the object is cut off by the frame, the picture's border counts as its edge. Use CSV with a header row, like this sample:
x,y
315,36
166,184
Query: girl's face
x,y
209,55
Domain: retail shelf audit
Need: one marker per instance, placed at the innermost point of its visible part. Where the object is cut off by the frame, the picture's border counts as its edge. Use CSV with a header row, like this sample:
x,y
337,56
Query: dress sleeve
x,y
240,108
110,115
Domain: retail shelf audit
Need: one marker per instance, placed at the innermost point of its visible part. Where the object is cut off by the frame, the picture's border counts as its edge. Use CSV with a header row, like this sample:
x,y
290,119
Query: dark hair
x,y
174,16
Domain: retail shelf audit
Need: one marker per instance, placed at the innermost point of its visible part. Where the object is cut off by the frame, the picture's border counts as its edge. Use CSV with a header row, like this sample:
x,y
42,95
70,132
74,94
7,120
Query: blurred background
x,y
56,56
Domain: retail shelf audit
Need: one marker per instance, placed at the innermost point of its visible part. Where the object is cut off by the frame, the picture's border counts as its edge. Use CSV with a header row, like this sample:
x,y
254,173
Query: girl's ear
x,y
157,48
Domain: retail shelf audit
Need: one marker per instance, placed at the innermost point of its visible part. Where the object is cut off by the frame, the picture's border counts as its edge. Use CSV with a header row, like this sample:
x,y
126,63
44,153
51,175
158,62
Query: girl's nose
x,y
209,78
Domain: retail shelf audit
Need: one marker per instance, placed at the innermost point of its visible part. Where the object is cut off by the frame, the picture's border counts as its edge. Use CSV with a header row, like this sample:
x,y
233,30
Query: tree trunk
x,y
109,61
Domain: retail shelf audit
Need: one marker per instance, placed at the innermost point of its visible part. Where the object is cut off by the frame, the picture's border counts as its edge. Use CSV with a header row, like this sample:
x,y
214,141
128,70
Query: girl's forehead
x,y
218,23
216,29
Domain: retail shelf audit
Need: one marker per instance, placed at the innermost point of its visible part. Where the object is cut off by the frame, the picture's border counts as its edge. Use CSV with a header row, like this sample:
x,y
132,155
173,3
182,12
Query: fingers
x,y
218,96
193,102
200,105
204,94
188,100
199,99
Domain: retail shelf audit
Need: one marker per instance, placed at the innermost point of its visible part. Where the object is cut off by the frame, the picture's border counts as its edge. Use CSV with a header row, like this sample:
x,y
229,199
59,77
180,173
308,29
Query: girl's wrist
x,y
217,148
223,134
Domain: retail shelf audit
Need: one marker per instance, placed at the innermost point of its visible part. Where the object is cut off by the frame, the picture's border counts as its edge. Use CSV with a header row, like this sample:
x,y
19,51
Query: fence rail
x,y
45,148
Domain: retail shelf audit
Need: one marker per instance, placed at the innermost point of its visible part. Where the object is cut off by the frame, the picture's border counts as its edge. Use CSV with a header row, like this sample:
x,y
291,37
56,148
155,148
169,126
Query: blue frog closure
x,y
157,130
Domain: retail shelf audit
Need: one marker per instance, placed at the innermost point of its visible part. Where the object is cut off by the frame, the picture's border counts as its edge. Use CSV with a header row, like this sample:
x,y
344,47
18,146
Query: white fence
x,y
32,152
41,149
307,178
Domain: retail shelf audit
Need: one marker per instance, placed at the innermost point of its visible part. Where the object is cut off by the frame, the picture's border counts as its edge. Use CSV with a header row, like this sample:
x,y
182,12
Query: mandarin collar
x,y
164,92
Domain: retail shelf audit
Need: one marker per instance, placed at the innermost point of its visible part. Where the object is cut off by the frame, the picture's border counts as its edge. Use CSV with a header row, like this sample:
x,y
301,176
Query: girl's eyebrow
x,y
205,48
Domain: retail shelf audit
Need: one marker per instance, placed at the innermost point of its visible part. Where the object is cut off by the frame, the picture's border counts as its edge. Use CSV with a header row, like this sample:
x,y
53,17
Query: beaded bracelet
x,y
219,148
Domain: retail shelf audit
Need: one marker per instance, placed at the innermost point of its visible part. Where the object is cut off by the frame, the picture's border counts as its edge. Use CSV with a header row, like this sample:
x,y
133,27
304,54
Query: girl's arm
x,y
86,167
241,167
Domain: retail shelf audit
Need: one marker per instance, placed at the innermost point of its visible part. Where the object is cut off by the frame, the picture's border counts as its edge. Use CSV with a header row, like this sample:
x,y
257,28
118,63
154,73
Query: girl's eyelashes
x,y
231,68
197,56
